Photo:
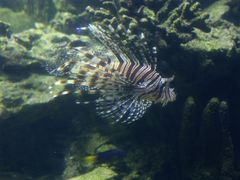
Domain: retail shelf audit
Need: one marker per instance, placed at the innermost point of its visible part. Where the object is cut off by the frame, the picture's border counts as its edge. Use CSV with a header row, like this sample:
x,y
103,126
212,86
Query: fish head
x,y
166,93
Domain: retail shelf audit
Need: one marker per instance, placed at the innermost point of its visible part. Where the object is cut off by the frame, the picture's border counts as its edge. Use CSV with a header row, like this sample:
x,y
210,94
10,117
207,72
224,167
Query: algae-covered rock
x,y
64,5
24,54
4,114
20,91
47,45
97,174
15,5
5,29
18,21
65,22
43,10
73,6
12,51
89,144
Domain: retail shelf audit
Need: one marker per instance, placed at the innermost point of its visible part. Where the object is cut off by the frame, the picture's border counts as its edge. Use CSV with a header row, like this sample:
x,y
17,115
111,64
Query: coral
x,y
209,153
222,38
227,169
233,14
211,146
181,21
219,41
196,29
188,136
217,10
152,18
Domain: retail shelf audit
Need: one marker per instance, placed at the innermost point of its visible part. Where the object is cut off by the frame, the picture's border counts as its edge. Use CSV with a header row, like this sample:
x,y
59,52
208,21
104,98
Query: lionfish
x,y
125,87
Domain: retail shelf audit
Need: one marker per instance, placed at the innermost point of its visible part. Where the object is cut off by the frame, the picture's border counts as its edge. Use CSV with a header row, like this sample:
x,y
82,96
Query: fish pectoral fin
x,y
126,109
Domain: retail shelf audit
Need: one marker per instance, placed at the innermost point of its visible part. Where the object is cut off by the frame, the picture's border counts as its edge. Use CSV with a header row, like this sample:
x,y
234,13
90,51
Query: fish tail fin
x,y
89,160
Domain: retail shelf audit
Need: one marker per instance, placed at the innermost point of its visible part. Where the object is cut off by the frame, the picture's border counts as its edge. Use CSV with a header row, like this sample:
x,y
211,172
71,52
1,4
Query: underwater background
x,y
194,138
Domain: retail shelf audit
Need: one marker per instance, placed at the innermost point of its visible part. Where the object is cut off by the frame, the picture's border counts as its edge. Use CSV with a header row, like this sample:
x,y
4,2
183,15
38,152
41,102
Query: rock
x,y
97,174
24,53
89,144
18,21
12,51
5,29
64,6
65,22
3,111
16,5
14,96
43,10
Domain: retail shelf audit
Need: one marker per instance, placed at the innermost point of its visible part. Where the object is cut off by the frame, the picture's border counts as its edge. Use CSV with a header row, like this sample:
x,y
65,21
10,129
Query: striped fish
x,y
125,87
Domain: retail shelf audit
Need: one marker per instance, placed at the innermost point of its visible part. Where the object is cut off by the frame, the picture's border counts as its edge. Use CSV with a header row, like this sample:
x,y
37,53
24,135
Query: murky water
x,y
87,89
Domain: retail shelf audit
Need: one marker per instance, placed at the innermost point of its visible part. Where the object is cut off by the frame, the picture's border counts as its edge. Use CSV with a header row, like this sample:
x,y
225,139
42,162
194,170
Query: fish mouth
x,y
168,94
